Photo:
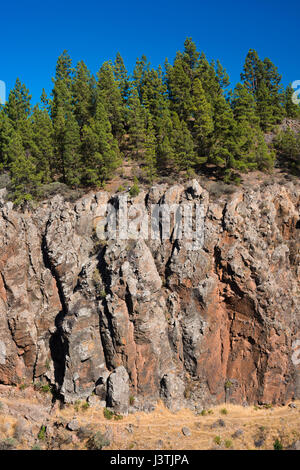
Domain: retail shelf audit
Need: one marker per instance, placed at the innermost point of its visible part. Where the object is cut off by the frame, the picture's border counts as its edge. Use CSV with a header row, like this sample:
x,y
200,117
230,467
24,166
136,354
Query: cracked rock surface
x,y
203,326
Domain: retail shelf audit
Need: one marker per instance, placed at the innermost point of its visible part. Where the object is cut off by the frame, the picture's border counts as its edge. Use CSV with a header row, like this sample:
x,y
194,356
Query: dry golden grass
x,y
162,429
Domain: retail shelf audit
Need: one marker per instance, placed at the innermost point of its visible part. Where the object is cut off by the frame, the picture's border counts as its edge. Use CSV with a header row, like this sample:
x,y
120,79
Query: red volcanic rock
x,y
193,327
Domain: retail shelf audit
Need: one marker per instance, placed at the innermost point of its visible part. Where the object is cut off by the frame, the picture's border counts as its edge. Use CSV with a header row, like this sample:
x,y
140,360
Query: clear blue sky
x,y
34,33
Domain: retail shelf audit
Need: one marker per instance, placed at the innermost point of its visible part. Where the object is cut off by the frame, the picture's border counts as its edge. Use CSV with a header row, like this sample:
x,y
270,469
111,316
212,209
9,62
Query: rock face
x,y
118,390
197,326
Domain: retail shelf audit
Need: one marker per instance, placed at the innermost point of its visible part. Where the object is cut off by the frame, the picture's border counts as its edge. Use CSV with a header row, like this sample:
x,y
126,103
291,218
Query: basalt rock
x,y
216,323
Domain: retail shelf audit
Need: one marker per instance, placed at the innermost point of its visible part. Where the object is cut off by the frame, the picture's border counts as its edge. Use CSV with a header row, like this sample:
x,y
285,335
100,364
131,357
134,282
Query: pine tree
x,y
83,94
136,121
292,110
42,143
110,95
18,105
149,157
121,77
25,179
183,145
203,121
99,149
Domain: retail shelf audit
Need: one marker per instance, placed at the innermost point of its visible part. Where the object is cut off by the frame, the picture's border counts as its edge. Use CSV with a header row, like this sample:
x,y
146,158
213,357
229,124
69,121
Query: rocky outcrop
x,y
219,322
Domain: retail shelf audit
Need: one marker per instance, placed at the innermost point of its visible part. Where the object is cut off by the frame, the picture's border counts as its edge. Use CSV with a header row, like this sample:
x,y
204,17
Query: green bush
x,y
42,433
217,440
85,406
8,444
108,414
228,443
223,411
134,190
131,400
97,441
278,445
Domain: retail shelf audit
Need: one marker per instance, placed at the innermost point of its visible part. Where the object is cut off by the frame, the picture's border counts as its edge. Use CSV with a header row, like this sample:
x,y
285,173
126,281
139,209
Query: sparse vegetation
x,y
108,414
131,400
8,444
217,440
134,190
224,411
228,444
42,433
278,445
85,406
97,441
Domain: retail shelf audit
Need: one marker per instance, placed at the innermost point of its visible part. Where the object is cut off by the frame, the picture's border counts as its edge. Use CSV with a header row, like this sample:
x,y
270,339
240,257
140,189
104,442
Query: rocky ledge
x,y
128,322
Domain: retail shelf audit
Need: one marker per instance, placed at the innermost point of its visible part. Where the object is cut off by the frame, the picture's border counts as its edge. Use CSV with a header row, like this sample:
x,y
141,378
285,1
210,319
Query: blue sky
x,y
34,33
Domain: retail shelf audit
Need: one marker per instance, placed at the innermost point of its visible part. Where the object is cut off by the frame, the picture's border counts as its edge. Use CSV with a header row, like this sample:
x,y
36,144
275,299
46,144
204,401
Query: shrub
x,y
277,445
223,411
217,440
77,405
131,400
268,406
42,433
228,443
117,417
228,384
36,447
8,444
85,406
134,190
97,441
40,387
108,414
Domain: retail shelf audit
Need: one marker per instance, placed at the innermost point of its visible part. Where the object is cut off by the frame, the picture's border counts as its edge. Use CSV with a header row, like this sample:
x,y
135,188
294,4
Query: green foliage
x,y
85,406
224,411
42,433
217,440
134,190
277,445
108,414
131,400
176,119
228,443
8,444
97,441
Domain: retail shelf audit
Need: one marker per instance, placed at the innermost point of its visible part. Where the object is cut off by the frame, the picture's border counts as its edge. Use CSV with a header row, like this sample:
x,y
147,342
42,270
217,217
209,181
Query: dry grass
x,y
162,429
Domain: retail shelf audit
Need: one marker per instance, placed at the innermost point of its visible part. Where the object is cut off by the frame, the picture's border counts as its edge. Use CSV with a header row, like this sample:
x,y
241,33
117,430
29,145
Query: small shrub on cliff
x,y
36,447
217,440
77,405
134,190
108,414
42,433
8,444
223,411
228,384
277,445
268,406
131,400
97,441
85,406
228,444
40,387
117,417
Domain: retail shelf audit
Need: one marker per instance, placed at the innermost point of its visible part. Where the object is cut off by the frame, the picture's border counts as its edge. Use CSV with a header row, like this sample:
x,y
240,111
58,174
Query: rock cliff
x,y
149,318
